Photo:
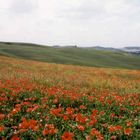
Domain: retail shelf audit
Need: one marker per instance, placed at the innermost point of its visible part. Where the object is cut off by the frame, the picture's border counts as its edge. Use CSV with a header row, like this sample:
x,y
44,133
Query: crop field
x,y
42,101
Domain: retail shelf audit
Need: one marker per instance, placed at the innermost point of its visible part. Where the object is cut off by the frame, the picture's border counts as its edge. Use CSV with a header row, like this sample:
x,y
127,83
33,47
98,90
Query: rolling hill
x,y
70,55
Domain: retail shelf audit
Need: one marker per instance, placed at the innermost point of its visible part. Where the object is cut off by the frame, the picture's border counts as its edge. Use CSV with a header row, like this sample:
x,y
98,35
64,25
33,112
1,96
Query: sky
x,y
108,23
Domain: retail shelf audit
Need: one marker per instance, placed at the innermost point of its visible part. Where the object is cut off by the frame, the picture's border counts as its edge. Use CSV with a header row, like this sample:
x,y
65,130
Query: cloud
x,y
22,6
81,22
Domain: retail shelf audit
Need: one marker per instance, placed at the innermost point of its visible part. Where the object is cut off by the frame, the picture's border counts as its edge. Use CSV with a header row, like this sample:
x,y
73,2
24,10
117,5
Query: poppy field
x,y
42,101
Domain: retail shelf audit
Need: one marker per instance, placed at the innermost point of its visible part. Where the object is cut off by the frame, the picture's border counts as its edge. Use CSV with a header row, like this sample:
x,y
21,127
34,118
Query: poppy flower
x,y
15,138
82,107
1,128
2,116
50,129
127,131
114,128
81,119
94,132
55,112
92,122
113,137
129,124
67,136
88,137
65,118
81,128
28,124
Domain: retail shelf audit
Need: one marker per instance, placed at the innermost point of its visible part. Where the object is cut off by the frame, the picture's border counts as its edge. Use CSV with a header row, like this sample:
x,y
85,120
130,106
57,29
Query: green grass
x,y
74,56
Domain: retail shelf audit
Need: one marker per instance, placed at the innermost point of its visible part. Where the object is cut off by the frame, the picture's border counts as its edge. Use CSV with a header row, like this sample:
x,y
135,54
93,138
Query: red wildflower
x,y
88,137
1,128
45,132
112,115
114,128
55,112
94,132
50,129
93,121
32,108
15,110
127,131
2,116
100,138
82,107
55,100
129,124
81,128
102,113
118,127
67,136
69,110
15,138
80,118
94,112
30,124
113,137
65,117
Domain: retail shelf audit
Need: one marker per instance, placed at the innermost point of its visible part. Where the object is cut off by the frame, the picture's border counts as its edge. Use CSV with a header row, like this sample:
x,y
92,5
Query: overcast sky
x,y
112,23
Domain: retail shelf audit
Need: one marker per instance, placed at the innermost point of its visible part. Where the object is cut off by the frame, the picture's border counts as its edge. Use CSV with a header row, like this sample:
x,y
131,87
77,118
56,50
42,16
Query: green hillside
x,y
74,56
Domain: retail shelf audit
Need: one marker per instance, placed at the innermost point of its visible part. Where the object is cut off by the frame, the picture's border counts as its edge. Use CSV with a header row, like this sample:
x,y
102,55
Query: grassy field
x,y
44,101
73,56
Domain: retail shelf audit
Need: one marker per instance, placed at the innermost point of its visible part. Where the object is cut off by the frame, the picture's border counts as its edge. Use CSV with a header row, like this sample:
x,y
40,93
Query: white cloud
x,y
82,22
23,6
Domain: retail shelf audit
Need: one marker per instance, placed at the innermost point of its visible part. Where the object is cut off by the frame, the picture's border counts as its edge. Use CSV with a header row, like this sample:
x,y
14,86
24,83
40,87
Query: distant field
x,y
74,56
40,101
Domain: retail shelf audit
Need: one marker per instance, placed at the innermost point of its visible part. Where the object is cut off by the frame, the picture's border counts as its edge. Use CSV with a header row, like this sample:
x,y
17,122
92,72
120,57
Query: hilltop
x,y
71,55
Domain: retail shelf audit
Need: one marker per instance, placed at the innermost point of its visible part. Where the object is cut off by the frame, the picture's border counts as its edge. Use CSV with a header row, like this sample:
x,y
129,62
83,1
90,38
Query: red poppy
x,y
28,124
15,110
69,110
94,132
45,132
88,137
129,124
55,111
2,116
81,128
82,107
127,131
67,136
81,119
50,129
114,128
1,128
15,138
94,112
65,118
92,122
113,137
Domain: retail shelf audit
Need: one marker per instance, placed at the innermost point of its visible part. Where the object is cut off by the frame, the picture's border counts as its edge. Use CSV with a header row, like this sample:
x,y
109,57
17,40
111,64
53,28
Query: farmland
x,y
41,101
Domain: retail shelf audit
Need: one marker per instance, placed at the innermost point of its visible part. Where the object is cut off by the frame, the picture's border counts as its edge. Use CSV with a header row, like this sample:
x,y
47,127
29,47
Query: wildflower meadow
x,y
42,101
